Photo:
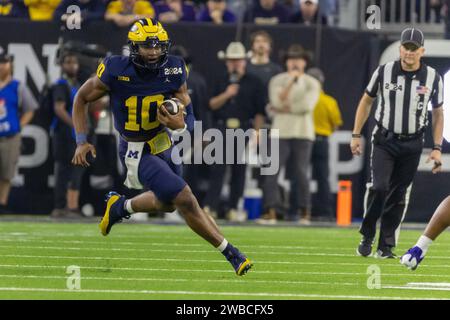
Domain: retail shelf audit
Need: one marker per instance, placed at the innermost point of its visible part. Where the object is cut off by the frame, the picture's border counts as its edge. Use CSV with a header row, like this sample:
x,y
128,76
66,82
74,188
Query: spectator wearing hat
x,y
175,11
216,11
13,9
124,12
17,107
327,118
309,13
266,12
293,96
237,102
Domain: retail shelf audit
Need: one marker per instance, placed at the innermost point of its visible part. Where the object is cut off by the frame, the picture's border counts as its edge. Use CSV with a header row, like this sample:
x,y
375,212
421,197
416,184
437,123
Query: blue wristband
x,y
81,138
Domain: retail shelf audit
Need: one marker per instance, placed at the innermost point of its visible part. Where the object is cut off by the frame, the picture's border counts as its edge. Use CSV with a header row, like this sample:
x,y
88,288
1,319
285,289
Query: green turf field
x,y
147,261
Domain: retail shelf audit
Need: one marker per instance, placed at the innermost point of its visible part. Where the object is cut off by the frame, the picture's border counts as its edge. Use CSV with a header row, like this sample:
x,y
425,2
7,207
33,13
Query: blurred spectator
x,y
67,176
327,118
260,64
309,13
175,10
446,16
41,10
400,10
89,10
196,175
125,12
429,7
17,107
266,12
293,96
13,9
329,9
216,11
238,103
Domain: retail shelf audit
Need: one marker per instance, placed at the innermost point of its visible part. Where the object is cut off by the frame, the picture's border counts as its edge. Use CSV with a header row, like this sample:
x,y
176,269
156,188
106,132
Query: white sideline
x,y
216,293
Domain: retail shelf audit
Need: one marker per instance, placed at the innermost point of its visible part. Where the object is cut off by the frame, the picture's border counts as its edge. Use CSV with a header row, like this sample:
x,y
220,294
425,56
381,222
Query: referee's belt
x,y
399,136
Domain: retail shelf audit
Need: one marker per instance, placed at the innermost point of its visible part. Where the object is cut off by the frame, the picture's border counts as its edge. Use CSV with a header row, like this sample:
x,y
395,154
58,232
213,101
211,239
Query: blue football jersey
x,y
9,109
135,97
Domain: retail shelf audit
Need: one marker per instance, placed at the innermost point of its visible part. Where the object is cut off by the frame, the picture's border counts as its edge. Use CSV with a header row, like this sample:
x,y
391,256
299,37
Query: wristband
x,y
178,131
356,135
437,147
81,138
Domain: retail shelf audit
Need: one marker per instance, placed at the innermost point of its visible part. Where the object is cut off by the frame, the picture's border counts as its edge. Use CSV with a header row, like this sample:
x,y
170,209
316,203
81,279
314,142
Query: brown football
x,y
173,105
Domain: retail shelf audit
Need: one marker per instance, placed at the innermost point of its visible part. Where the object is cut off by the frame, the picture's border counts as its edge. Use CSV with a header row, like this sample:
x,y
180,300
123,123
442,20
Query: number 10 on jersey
x,y
148,108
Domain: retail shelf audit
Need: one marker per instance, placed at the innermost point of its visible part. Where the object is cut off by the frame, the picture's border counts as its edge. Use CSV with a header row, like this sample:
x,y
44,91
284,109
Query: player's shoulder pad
x,y
115,64
175,66
174,61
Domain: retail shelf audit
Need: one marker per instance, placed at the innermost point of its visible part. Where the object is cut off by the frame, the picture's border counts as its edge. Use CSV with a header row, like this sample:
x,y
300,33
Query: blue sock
x,y
229,251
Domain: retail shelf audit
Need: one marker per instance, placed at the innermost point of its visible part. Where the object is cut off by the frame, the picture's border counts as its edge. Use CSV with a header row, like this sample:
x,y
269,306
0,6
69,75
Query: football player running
x,y
438,223
137,86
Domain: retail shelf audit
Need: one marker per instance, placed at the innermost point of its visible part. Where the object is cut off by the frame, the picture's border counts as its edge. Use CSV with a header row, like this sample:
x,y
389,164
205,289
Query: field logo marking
x,y
74,279
374,280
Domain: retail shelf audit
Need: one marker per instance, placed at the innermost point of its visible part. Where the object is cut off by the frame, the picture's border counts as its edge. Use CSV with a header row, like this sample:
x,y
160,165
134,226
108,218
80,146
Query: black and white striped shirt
x,y
403,96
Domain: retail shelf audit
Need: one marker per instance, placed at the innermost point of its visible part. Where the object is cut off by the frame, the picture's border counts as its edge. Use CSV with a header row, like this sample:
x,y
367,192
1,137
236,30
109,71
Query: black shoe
x,y
365,247
385,253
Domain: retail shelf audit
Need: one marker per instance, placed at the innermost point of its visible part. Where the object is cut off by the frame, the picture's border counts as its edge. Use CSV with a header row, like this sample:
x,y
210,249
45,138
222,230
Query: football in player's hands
x,y
173,105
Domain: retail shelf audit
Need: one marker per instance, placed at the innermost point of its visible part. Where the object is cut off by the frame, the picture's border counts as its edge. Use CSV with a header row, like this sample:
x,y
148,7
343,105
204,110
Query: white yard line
x,y
325,254
214,293
105,268
416,288
221,261
188,280
430,284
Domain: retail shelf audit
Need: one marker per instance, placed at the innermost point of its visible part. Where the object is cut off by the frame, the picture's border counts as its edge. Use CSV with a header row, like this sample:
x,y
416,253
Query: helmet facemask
x,y
140,61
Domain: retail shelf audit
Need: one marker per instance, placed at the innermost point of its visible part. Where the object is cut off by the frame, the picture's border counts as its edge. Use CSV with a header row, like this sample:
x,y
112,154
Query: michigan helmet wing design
x,y
148,33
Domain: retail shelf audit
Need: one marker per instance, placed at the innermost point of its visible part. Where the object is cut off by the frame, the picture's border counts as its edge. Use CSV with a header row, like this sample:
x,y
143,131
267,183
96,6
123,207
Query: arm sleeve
x,y
190,117
59,93
303,101
335,113
104,72
437,100
374,85
274,92
27,101
144,8
114,7
260,99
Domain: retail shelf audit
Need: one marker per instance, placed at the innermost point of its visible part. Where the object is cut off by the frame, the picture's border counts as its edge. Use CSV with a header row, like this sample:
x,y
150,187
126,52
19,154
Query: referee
x,y
404,89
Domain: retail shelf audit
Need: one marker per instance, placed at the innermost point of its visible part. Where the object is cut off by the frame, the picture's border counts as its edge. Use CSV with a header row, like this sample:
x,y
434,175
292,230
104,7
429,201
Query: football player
x,y
438,223
137,86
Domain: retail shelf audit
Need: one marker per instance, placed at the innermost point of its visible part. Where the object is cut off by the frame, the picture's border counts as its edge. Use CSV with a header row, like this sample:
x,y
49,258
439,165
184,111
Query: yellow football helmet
x,y
148,33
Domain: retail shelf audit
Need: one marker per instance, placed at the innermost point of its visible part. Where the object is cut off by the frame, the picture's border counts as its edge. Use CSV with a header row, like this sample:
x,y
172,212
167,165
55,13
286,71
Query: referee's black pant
x,y
394,163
